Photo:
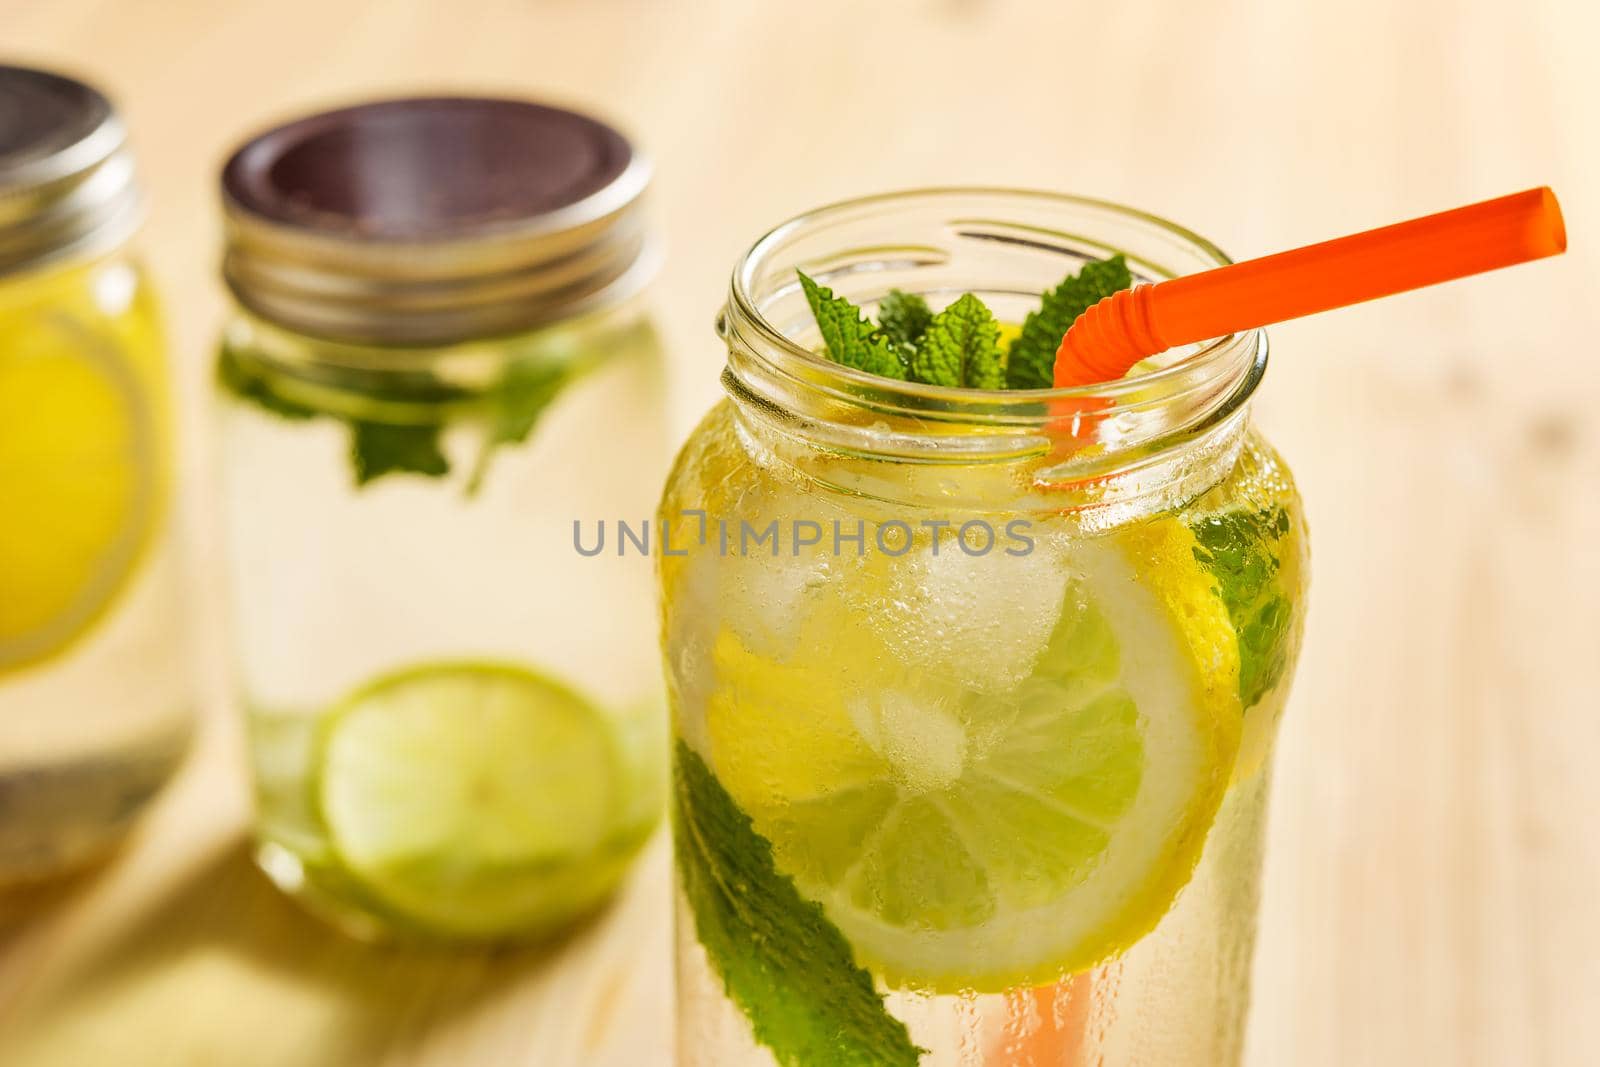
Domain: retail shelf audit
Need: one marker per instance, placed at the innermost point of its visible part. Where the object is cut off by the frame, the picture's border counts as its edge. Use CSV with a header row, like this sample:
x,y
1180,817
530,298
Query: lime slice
x,y
965,839
475,799
78,479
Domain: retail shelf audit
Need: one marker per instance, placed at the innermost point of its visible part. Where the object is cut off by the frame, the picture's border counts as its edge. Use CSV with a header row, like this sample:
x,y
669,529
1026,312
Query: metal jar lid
x,y
67,181
432,220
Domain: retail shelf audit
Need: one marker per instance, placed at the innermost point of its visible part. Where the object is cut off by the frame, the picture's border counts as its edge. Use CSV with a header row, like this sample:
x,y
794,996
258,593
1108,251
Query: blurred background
x,y
1434,850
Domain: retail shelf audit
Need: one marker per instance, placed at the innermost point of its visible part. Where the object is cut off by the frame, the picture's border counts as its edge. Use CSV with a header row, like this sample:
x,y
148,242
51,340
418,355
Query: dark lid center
x,y
43,113
425,168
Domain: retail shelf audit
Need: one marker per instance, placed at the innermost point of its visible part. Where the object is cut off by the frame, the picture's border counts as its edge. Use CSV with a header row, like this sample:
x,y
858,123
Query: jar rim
x,y
1104,453
744,311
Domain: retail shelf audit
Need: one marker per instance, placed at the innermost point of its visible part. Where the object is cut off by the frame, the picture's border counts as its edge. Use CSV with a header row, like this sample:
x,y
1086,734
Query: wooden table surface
x,y
1434,863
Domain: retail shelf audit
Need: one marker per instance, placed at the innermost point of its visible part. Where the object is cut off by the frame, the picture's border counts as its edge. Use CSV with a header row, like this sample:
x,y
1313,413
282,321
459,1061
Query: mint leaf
x,y
787,967
378,448
1030,364
234,375
961,347
510,410
516,406
904,317
848,335
1241,550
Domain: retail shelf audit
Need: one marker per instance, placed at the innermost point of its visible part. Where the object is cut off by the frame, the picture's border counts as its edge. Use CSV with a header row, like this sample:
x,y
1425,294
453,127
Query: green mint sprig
x,y
787,967
234,375
904,318
1240,549
515,407
1031,362
850,337
959,346
508,412
379,448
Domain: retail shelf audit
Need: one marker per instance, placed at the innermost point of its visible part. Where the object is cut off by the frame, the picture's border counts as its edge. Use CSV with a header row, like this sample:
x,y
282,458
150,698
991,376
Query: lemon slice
x,y
477,799
78,479
968,840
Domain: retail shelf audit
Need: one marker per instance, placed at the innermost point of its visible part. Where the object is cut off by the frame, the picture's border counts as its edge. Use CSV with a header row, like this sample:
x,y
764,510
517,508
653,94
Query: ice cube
x,y
765,599
769,581
978,620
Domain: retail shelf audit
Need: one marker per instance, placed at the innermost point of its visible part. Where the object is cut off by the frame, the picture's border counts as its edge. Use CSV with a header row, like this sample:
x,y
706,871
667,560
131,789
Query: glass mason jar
x,y
974,692
94,686
439,362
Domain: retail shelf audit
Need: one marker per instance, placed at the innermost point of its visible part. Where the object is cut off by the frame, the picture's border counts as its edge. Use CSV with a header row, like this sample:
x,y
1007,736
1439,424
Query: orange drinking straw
x,y
1060,1030
1122,329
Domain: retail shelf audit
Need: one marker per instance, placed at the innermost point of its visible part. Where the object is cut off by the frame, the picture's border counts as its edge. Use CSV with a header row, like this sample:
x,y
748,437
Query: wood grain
x,y
1435,843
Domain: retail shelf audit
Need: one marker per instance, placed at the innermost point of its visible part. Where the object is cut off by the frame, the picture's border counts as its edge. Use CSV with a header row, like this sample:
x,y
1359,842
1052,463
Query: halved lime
x,y
965,839
476,799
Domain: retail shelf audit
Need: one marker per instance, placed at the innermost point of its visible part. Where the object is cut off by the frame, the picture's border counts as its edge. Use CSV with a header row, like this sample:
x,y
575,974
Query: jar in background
x,y
439,362
95,697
